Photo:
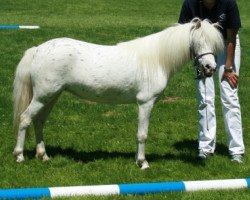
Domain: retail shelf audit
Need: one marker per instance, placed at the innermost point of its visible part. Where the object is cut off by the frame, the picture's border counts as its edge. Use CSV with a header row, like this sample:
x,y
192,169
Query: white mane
x,y
170,48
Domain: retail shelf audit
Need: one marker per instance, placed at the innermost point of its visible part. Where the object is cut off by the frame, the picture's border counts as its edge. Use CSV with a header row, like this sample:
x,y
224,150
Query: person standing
x,y
226,13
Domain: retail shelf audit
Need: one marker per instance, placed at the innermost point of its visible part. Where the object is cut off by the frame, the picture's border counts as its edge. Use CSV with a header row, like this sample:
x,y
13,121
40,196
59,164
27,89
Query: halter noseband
x,y
200,71
201,55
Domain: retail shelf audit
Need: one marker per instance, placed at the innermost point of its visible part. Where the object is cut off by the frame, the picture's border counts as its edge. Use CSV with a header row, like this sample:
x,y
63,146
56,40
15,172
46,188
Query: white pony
x,y
136,71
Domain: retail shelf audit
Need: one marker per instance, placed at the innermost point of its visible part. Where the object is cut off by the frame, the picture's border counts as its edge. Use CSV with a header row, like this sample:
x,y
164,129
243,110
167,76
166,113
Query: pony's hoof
x,y
142,164
44,157
18,153
19,158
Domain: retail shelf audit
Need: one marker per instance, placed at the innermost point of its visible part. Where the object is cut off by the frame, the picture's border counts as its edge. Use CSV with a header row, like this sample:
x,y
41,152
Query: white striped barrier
x,y
18,27
124,189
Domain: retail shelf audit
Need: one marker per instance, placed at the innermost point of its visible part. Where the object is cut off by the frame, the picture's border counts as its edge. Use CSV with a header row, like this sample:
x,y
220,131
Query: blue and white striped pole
x,y
18,27
124,189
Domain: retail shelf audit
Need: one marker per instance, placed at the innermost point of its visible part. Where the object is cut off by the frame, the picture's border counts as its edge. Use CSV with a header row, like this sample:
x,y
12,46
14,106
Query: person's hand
x,y
231,77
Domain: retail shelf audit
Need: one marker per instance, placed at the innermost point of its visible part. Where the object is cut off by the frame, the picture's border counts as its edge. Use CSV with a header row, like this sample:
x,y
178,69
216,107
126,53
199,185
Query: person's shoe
x,y
238,158
203,155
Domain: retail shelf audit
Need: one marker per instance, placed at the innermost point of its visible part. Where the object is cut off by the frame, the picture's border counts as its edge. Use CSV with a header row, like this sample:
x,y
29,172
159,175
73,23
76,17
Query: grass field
x,y
93,144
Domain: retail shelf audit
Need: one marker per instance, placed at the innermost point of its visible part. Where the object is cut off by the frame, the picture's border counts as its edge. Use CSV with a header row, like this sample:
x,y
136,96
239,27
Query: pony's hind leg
x,y
142,134
40,146
25,120
39,122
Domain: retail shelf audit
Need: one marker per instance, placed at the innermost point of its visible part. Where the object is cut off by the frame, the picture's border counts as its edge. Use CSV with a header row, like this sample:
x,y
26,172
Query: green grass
x,y
93,144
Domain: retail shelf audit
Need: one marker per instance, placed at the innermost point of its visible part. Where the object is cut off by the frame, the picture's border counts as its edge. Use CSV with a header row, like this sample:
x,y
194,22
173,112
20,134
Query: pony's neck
x,y
168,49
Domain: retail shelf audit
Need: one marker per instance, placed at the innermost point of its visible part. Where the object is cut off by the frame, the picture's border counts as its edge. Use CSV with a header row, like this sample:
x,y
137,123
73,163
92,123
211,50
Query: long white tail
x,y
22,93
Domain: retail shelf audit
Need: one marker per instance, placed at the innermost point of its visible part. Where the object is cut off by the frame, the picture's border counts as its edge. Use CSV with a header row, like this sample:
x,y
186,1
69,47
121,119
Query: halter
x,y
201,55
193,56
199,68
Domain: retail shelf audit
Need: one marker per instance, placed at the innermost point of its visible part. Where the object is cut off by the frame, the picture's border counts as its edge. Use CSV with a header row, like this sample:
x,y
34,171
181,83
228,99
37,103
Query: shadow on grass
x,y
82,156
86,157
186,151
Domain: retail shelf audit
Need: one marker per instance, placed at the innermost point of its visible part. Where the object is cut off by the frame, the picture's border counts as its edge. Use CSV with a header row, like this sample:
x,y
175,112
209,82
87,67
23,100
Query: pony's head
x,y
206,41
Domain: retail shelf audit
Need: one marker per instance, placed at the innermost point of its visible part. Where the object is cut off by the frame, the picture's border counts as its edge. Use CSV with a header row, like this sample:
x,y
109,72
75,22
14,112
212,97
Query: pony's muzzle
x,y
209,71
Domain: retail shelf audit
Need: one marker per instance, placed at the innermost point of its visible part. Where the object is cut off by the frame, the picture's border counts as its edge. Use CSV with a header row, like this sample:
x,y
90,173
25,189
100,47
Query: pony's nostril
x,y
208,67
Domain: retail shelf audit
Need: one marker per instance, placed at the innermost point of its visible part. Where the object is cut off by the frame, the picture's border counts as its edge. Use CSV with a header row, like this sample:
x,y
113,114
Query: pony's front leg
x,y
142,134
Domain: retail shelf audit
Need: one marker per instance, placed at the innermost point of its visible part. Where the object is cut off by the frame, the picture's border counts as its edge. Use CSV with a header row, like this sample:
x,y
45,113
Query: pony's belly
x,y
105,95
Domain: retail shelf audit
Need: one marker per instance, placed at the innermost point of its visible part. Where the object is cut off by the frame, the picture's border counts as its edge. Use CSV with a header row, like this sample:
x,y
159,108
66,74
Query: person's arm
x,y
229,73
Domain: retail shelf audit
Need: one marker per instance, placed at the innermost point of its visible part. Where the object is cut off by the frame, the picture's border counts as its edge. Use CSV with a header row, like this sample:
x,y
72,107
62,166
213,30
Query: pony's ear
x,y
196,20
197,23
217,25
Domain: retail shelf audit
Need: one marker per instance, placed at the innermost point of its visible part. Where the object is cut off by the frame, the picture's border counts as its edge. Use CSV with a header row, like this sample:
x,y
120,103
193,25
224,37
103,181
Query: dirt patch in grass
x,y
170,99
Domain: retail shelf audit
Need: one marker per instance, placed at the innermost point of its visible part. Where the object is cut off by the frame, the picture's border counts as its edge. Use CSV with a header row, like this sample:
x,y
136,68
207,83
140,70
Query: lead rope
x,y
205,104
